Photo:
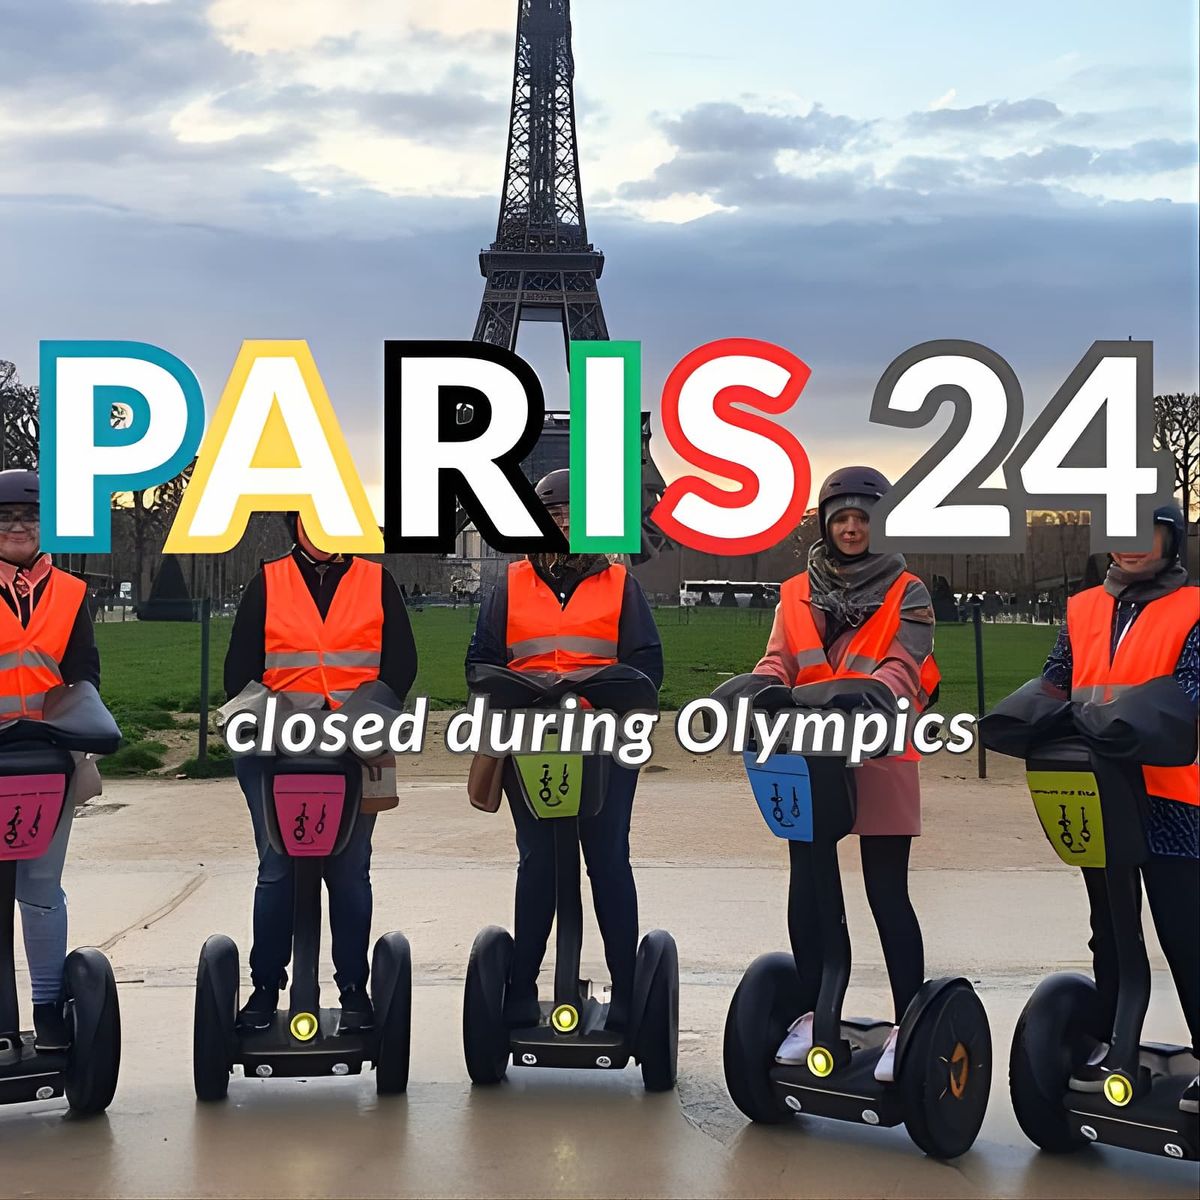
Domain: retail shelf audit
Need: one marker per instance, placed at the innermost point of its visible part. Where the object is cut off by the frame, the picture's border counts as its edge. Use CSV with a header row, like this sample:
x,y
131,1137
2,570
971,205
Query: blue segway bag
x,y
783,791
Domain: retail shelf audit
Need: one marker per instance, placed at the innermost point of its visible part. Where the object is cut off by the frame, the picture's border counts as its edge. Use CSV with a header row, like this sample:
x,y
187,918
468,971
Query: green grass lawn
x,y
156,665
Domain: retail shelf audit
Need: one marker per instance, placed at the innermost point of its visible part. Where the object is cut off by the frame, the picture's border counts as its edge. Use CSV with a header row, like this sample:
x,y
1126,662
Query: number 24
x,y
1071,457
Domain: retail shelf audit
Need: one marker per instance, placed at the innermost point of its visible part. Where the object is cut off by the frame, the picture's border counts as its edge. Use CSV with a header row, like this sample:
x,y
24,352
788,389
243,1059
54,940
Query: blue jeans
x,y
605,842
347,880
44,911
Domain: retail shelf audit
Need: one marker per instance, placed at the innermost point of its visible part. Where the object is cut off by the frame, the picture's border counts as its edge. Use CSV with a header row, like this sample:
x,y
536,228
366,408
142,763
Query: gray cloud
x,y
724,127
122,56
427,116
997,114
730,153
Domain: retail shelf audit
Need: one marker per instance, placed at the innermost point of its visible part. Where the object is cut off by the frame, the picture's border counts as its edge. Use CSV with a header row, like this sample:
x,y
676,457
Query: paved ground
x,y
150,880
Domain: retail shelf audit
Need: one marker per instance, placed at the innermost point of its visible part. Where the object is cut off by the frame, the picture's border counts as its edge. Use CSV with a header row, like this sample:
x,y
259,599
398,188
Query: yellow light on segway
x,y
820,1061
564,1018
304,1027
1118,1090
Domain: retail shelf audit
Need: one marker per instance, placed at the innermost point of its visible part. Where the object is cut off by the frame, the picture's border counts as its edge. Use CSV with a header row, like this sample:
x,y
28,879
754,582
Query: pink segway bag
x,y
309,809
30,806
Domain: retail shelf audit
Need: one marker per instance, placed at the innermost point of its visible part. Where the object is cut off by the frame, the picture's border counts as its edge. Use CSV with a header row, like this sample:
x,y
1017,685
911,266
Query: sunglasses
x,y
12,518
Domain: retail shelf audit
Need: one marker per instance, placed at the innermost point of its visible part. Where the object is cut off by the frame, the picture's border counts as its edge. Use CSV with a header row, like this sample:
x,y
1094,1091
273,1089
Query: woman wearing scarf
x,y
46,640
1143,616
844,587
549,597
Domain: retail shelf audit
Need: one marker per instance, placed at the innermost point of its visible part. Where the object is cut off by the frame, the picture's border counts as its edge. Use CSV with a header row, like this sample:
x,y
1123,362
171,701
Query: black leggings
x,y
885,876
604,839
1173,889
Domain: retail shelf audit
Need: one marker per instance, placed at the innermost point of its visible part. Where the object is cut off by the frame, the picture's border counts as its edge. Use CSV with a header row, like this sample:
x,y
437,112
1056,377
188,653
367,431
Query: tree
x,y
149,515
1177,430
19,426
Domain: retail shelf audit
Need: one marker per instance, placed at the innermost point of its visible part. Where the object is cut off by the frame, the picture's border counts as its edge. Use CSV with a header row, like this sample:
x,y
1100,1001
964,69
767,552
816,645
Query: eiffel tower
x,y
541,267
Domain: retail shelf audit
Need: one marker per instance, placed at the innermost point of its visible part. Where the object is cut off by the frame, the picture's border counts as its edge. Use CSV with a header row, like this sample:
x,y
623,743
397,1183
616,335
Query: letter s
x,y
704,428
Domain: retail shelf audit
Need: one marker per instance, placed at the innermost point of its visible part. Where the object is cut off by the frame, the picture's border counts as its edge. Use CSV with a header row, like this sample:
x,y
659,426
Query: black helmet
x,y
850,487
554,488
1170,515
19,486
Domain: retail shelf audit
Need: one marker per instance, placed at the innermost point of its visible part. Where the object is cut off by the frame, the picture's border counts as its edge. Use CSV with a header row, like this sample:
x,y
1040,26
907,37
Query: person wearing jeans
x,y
347,878
316,625
46,641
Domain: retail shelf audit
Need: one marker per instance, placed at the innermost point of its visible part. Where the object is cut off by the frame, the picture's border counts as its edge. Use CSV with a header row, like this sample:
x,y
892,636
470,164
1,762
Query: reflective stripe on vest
x,y
1149,649
865,651
30,658
543,635
327,658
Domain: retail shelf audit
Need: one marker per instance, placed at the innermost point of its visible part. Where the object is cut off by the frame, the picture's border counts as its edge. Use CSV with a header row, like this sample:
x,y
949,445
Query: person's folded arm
x,y
1059,667
81,660
398,654
246,658
638,642
777,659
488,645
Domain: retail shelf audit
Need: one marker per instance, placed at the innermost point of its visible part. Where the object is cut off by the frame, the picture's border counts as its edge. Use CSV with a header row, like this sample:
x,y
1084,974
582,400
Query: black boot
x,y
357,1014
521,1007
259,1011
50,1028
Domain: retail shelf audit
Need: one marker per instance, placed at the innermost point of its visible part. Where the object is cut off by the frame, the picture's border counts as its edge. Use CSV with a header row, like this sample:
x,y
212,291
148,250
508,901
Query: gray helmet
x,y
850,487
19,486
554,488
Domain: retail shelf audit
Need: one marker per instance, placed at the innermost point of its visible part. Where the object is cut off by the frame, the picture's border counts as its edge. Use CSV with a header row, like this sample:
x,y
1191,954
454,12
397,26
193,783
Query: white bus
x,y
727,593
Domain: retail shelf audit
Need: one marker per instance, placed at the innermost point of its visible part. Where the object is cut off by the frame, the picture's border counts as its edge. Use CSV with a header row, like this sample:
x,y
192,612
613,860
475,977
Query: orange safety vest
x,y
544,635
1148,649
30,655
865,650
328,658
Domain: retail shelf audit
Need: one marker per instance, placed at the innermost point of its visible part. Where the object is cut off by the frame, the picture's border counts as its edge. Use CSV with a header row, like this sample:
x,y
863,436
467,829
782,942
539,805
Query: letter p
x,y
84,459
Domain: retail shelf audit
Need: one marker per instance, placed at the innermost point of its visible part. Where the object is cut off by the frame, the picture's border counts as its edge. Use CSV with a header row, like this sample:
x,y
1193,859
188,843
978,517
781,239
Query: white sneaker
x,y
885,1068
795,1047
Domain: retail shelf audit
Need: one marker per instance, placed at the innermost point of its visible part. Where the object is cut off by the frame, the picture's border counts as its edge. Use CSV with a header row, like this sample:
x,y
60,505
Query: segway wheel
x,y
945,1076
1055,1032
391,995
94,1056
213,1029
658,1030
485,1035
766,1001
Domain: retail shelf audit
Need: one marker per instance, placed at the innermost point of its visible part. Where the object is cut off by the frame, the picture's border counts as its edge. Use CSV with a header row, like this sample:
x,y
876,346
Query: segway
x,y
35,775
1083,768
565,789
943,1059
311,805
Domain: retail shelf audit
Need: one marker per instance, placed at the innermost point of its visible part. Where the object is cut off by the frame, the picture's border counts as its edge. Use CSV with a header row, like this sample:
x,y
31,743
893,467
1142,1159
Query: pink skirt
x,y
889,798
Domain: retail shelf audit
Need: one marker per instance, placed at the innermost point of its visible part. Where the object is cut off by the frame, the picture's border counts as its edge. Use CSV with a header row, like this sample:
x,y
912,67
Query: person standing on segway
x,y
559,613
317,625
853,614
46,640
1143,622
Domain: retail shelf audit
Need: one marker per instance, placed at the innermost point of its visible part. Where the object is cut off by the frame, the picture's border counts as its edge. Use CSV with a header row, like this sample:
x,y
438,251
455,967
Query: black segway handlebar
x,y
1153,724
619,688
73,718
767,694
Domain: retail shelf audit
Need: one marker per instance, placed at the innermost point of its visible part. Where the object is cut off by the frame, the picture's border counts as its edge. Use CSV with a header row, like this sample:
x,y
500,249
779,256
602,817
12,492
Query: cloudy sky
x,y
844,179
